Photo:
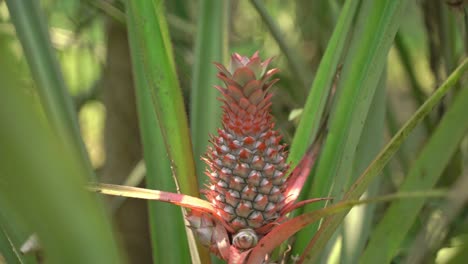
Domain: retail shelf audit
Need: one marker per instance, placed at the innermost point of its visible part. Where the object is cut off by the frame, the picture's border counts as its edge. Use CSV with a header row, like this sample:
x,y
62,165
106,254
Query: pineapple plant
x,y
228,233
251,188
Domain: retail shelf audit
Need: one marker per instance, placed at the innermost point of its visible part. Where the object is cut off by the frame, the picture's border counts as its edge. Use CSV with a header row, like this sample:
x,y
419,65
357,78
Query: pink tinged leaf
x,y
256,65
256,97
282,232
298,176
270,73
237,256
292,207
203,226
265,102
251,87
252,108
222,90
244,103
141,193
265,65
222,240
243,75
255,56
267,86
238,61
226,80
235,92
222,69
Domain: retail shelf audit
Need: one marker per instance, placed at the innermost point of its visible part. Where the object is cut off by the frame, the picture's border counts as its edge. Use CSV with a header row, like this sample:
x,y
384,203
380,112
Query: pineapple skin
x,y
246,162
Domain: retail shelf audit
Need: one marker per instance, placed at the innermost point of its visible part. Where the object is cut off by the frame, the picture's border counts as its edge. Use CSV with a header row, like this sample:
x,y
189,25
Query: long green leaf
x,y
13,234
33,35
357,225
13,231
9,251
211,46
152,49
154,53
43,180
377,25
166,221
357,189
424,173
317,98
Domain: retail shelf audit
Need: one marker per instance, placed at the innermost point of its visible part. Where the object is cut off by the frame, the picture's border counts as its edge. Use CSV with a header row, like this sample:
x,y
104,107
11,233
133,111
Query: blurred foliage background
x,y
91,43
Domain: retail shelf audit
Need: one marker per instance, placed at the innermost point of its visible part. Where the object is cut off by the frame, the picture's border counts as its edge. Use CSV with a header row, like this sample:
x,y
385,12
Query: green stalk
x,y
166,221
376,27
33,34
153,51
357,189
211,46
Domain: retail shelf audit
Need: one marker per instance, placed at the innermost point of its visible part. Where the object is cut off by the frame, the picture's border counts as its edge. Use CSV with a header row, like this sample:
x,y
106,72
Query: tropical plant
x,y
260,202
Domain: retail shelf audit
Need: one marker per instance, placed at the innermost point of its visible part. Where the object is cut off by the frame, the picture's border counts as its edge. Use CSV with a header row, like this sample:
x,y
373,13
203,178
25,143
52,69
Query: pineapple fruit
x,y
247,163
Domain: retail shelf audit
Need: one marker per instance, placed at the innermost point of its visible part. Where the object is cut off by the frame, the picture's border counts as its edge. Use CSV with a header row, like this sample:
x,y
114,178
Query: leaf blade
x,y
329,226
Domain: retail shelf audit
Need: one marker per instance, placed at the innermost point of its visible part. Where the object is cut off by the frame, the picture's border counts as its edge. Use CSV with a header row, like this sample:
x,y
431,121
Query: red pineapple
x,y
247,163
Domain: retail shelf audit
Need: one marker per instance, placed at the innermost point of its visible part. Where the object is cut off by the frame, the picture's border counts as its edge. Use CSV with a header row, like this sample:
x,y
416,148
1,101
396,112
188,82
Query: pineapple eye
x,y
245,239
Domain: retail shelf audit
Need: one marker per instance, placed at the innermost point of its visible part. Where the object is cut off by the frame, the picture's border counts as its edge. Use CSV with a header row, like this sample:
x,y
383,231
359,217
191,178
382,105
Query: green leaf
x,y
13,234
329,226
9,250
318,96
375,29
211,46
358,223
43,180
151,48
33,34
423,174
166,221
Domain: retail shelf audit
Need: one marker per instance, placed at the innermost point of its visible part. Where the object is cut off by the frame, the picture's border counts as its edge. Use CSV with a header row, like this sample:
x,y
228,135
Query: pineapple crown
x,y
246,97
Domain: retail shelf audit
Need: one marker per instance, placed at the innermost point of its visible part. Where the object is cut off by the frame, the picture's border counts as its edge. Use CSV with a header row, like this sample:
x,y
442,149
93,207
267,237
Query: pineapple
x,y
247,163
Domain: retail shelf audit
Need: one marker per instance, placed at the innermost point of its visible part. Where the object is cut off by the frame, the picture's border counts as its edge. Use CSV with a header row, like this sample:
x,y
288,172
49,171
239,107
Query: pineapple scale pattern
x,y
247,163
